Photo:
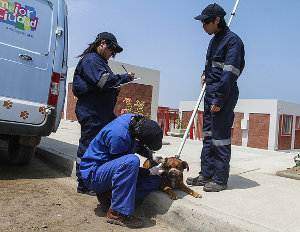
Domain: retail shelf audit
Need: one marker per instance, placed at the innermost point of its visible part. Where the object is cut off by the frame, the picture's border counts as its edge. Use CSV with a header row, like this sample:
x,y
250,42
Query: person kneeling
x,y
111,168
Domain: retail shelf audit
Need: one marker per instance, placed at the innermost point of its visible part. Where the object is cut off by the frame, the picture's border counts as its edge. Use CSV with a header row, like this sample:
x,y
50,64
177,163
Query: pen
x,y
124,68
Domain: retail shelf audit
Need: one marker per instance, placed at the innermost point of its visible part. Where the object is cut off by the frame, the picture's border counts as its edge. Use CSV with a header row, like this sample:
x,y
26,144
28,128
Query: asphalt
x,y
256,199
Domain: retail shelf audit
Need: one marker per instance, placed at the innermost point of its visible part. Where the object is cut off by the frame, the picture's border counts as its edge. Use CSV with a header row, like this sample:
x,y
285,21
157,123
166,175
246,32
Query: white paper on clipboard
x,y
127,83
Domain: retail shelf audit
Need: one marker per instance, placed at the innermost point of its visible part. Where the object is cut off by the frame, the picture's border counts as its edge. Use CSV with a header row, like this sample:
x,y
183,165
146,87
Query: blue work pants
x,y
121,177
216,151
90,127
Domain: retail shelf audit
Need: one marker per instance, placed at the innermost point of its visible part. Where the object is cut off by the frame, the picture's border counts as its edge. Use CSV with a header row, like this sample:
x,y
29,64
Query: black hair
x,y
222,24
93,47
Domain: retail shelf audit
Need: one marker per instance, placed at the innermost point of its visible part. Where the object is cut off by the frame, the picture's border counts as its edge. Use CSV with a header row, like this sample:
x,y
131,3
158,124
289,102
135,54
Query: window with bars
x,y
286,125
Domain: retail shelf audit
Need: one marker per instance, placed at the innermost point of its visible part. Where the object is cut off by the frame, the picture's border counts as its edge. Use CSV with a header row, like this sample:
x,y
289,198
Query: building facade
x,y
259,123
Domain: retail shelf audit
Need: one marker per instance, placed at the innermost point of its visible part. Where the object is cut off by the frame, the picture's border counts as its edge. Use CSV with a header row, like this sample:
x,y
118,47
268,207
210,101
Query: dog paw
x,y
173,197
197,195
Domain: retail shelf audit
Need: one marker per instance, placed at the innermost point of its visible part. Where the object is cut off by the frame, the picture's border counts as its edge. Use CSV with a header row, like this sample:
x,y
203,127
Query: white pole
x,y
191,121
201,96
233,12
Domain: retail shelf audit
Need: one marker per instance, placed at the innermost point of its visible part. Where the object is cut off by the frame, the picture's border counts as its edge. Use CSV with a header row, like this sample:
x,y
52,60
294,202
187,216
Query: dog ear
x,y
185,165
164,162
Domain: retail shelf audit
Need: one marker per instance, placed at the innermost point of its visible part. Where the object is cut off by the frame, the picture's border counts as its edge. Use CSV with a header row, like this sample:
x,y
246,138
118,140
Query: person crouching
x,y
110,166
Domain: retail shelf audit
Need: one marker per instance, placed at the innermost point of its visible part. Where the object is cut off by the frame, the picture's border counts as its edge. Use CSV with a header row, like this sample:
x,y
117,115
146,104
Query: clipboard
x,y
116,87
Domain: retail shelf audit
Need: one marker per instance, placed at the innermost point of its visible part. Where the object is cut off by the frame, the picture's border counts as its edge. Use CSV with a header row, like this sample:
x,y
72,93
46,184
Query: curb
x,y
175,213
203,218
58,162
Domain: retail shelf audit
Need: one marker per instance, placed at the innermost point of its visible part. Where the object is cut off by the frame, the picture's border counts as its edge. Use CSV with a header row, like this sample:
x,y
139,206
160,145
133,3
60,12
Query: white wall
x,y
247,106
261,106
289,109
272,107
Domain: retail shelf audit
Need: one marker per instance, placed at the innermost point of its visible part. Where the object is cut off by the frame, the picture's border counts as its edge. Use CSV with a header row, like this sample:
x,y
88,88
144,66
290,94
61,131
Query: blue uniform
x,y
94,85
224,64
110,164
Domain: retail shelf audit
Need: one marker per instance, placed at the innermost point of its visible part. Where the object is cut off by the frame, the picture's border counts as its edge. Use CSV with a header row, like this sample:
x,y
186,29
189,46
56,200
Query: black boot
x,y
104,200
214,187
83,190
198,181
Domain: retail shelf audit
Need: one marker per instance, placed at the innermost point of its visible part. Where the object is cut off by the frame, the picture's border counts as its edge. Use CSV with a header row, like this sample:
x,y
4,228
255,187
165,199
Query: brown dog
x,y
172,178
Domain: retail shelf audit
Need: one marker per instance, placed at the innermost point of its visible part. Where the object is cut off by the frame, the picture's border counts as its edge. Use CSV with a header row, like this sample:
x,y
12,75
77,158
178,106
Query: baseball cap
x,y
212,10
110,37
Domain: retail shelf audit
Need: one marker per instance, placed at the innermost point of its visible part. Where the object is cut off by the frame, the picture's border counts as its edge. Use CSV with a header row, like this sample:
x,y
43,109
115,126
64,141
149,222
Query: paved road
x,y
39,198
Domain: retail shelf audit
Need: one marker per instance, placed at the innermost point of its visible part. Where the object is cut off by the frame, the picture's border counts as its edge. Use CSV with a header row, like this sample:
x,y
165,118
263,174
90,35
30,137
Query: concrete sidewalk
x,y
256,199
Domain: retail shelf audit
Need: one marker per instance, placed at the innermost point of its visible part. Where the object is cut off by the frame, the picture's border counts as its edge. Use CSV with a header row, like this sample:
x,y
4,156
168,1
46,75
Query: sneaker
x,y
123,220
214,187
198,181
104,200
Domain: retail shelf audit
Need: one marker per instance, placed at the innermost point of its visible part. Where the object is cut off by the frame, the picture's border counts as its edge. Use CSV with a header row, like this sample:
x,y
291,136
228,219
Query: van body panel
x,y
15,110
11,128
31,49
62,54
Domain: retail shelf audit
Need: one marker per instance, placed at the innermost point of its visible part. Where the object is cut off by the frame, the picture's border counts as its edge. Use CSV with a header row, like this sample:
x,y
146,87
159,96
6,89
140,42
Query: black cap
x,y
149,133
111,38
211,11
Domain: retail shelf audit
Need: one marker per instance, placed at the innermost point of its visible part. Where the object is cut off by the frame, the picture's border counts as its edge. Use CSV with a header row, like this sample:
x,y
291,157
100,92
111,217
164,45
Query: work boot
x,y
198,181
104,200
123,220
214,187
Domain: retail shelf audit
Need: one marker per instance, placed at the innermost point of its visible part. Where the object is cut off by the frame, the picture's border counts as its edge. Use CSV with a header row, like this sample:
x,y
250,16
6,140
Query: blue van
x,y
33,72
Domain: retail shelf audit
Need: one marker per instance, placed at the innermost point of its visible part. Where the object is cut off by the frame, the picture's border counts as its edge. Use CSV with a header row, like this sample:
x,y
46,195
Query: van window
x,y
26,24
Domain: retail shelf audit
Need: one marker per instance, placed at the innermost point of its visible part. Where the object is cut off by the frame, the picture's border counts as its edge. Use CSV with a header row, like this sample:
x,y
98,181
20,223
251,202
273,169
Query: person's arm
x,y
96,74
117,145
232,68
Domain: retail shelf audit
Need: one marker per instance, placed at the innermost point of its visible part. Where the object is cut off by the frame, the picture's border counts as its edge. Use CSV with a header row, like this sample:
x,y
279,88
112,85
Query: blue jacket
x,y
112,142
94,85
224,64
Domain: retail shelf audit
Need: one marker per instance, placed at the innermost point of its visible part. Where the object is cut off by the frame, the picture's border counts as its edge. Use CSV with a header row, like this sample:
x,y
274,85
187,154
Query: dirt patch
x,y
295,170
37,198
293,173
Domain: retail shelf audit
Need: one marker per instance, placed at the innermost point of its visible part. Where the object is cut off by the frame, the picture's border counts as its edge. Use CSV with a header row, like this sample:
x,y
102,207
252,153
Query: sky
x,y
162,35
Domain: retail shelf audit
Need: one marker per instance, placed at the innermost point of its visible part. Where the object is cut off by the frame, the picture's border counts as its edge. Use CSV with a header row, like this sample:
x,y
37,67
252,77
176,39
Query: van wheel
x,y
19,154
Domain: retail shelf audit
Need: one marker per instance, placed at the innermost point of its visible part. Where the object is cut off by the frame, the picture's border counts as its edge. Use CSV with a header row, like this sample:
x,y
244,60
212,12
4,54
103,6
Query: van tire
x,y
20,154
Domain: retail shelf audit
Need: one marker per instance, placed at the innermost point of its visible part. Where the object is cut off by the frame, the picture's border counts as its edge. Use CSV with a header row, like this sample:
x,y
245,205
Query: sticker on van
x,y
22,17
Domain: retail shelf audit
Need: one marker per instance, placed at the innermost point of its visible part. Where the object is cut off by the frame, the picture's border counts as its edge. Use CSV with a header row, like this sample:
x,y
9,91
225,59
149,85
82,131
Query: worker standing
x,y
94,85
111,168
224,64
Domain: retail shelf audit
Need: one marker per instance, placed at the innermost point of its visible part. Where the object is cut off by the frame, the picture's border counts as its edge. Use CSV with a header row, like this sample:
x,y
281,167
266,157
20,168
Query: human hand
x,y
131,75
156,170
215,108
202,78
157,158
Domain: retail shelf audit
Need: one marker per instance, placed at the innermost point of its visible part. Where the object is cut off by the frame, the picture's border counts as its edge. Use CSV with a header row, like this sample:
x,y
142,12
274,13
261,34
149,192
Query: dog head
x,y
174,167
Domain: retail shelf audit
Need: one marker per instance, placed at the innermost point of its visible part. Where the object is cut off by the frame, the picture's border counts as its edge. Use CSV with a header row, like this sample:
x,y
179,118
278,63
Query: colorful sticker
x,y
42,109
7,104
22,17
24,115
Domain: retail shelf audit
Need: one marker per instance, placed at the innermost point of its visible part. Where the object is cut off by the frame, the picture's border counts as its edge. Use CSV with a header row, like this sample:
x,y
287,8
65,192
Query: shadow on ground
x,y
239,182
36,169
146,210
